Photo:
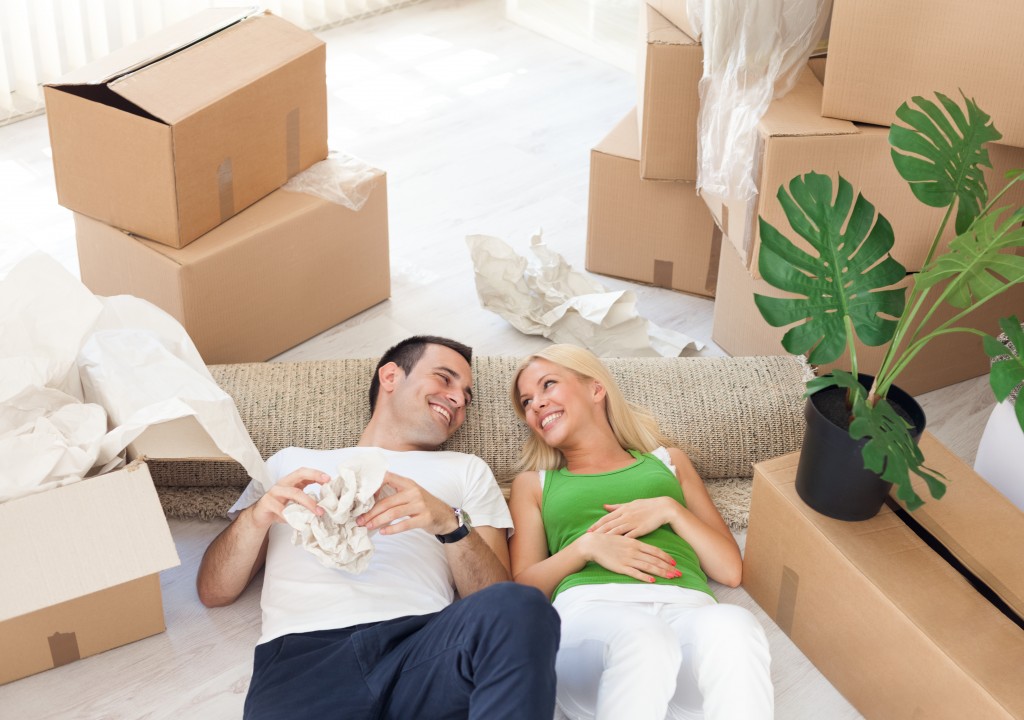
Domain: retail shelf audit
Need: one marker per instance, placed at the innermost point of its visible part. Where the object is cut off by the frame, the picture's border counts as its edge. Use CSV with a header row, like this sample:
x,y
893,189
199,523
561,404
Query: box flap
x,y
159,45
81,538
183,438
182,84
799,112
662,32
623,141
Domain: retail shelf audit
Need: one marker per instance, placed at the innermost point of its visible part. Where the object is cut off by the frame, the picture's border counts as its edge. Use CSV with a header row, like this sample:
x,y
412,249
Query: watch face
x,y
463,517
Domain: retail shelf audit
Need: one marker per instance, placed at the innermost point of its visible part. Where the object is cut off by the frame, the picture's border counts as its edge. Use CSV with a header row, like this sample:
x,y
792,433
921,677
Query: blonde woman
x,y
620,532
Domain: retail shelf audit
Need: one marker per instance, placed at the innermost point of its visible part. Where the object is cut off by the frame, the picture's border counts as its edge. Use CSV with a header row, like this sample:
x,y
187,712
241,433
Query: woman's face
x,y
556,401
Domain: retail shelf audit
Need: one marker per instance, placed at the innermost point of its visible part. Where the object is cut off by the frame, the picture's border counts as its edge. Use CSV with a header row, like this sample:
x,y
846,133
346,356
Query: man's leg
x,y
490,656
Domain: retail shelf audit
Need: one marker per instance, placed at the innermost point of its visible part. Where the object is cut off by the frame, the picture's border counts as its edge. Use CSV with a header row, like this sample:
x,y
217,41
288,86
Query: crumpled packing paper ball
x,y
334,537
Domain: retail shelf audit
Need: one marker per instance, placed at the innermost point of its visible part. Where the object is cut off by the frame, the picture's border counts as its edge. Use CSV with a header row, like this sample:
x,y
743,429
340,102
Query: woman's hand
x,y
637,518
627,556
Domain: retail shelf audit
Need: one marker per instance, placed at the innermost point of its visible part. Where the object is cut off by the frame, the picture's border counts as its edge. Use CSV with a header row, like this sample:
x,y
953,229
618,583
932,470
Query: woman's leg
x,y
725,670
616,659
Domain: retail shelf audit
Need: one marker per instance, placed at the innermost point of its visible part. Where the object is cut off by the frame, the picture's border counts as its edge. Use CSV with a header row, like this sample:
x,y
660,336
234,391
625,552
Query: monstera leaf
x,y
1007,364
843,280
889,451
941,154
977,262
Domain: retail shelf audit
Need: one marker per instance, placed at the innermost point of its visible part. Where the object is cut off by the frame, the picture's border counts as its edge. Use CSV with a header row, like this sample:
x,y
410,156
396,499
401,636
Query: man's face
x,y
430,402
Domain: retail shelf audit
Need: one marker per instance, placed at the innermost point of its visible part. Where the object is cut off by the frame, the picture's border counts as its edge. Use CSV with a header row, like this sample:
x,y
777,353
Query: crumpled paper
x,y
340,179
53,423
549,298
334,537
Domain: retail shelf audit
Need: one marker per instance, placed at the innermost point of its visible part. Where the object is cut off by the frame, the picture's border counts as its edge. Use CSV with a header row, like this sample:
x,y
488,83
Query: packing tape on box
x,y
226,189
292,143
711,280
787,599
63,648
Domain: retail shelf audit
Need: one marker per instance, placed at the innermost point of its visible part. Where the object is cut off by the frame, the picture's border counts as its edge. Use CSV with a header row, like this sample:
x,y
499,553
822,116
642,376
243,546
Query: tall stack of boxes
x,y
172,151
646,221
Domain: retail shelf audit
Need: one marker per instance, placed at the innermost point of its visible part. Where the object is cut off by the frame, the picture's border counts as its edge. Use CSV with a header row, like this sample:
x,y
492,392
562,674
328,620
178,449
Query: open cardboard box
x,y
171,136
793,139
80,568
886,618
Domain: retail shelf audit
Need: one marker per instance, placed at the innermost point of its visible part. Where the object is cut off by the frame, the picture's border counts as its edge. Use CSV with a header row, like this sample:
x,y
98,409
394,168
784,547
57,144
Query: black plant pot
x,y
831,477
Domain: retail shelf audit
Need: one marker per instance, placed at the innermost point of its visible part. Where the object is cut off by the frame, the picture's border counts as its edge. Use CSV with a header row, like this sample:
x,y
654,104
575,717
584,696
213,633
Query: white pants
x,y
629,651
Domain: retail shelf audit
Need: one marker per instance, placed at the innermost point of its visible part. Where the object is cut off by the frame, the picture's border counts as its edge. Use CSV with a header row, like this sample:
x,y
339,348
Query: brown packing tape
x,y
663,273
292,140
787,599
226,189
63,648
711,281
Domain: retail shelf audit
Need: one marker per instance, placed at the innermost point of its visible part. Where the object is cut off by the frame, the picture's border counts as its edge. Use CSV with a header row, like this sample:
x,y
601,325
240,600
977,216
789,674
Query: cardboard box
x,y
883,53
794,139
739,329
886,619
671,65
278,273
651,231
675,12
80,568
173,135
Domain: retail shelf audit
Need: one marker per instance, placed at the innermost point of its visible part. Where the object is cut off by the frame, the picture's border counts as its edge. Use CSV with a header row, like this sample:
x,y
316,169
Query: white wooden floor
x,y
483,127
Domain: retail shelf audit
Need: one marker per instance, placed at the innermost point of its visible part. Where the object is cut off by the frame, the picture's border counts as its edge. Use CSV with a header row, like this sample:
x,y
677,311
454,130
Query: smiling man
x,y
392,642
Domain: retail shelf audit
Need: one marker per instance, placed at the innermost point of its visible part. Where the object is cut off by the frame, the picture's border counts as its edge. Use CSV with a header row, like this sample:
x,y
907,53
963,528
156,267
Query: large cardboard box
x,y
896,629
793,139
671,64
739,329
882,53
173,135
80,568
651,231
288,267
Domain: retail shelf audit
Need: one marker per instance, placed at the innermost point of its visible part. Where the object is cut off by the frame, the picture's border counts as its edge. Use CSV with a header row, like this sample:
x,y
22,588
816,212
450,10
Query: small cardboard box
x,y
793,139
651,231
286,268
740,330
671,64
171,136
80,568
896,629
882,53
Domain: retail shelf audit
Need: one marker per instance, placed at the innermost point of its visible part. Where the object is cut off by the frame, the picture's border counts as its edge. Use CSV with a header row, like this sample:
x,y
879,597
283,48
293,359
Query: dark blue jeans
x,y
490,656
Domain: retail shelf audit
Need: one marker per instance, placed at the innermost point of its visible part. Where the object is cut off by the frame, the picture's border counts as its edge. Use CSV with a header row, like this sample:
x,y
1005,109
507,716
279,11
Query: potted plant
x,y
846,288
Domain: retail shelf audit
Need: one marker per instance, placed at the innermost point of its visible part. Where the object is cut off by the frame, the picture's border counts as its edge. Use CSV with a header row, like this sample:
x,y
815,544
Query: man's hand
x,y
410,501
269,509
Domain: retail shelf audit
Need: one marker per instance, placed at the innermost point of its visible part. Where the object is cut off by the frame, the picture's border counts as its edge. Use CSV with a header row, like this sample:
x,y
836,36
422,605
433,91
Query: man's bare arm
x,y
238,553
479,559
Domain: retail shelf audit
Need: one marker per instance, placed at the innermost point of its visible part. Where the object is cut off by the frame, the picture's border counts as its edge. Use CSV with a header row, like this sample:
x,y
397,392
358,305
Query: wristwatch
x,y
461,531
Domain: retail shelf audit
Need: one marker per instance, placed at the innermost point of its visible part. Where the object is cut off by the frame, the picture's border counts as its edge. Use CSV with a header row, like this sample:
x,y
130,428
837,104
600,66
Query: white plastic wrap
x,y
340,179
753,52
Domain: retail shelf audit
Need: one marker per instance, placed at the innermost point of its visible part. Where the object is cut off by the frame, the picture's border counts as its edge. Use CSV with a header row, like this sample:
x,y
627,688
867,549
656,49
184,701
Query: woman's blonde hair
x,y
633,426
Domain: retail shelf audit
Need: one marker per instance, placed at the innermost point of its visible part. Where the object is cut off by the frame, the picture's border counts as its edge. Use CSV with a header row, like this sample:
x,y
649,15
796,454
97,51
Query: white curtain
x,y
40,40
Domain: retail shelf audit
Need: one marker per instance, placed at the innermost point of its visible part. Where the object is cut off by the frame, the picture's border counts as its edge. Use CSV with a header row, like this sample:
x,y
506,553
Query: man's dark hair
x,y
407,353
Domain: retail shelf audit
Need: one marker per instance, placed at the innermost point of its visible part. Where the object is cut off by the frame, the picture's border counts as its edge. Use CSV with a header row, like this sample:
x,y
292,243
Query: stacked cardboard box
x,y
646,221
795,138
171,153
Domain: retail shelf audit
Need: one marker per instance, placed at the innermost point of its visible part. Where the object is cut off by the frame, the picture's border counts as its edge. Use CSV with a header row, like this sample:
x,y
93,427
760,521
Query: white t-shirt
x,y
408,573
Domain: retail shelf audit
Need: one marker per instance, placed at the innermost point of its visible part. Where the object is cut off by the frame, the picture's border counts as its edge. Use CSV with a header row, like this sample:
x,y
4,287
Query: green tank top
x,y
571,503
